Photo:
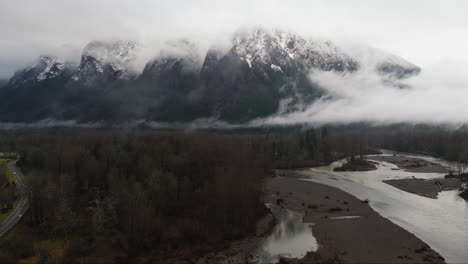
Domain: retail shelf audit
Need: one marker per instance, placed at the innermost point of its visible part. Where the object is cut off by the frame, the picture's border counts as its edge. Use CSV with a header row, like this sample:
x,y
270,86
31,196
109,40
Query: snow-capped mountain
x,y
263,72
106,61
45,68
279,49
268,68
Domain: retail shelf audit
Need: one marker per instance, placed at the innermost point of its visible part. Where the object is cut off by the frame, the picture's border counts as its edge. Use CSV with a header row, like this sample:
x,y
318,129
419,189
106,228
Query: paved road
x,y
22,205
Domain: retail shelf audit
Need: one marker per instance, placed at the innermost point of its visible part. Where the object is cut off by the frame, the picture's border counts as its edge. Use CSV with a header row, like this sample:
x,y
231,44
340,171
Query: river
x,y
442,223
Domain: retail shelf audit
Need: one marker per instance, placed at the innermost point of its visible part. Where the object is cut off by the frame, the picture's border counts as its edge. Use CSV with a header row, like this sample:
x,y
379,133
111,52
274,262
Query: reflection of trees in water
x,y
279,242
290,224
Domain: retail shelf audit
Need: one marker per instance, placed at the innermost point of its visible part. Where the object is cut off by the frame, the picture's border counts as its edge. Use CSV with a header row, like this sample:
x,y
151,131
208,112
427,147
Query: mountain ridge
x,y
264,72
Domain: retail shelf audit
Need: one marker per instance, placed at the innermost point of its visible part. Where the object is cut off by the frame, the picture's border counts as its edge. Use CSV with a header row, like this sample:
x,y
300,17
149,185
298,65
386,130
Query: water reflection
x,y
291,238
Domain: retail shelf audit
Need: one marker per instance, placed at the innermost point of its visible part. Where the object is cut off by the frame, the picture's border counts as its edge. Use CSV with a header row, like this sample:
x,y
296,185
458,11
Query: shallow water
x,y
291,237
442,223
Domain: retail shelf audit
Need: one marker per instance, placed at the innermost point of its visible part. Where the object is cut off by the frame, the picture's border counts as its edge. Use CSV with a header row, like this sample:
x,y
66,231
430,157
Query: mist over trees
x,y
451,145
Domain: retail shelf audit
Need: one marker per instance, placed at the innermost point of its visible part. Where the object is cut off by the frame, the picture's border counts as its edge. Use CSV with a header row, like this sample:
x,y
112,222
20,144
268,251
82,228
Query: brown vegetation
x,y
140,194
149,195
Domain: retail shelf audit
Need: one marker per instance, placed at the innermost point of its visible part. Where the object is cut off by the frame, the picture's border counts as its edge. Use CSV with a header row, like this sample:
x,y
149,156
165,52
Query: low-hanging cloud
x,y
437,95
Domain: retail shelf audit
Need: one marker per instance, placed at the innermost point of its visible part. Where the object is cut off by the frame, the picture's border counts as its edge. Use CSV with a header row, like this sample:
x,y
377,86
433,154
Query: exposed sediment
x,y
427,188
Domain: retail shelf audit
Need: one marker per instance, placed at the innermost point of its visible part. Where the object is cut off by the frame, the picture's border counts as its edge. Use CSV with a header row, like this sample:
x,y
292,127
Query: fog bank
x,y
438,95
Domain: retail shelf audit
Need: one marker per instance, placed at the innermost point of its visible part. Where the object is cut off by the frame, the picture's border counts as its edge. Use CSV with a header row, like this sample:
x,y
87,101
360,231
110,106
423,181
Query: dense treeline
x,y
138,193
144,194
451,145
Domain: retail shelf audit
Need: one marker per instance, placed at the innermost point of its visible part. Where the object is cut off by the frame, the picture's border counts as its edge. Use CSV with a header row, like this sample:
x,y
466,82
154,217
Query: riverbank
x,y
427,188
346,228
412,164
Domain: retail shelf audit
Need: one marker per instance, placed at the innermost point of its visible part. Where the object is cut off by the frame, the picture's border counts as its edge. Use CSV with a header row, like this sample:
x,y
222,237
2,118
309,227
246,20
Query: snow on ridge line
x,y
258,47
282,48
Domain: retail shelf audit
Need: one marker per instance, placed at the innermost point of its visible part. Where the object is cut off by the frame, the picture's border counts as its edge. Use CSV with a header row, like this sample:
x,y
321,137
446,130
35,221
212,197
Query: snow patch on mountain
x,y
276,68
116,56
118,53
53,67
45,68
259,46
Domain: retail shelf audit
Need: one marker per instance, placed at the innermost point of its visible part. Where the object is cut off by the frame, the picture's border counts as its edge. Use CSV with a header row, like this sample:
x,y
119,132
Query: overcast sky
x,y
425,32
